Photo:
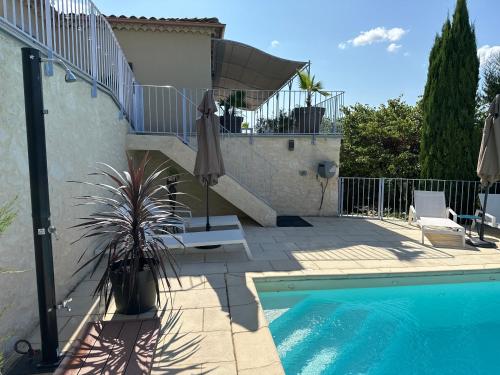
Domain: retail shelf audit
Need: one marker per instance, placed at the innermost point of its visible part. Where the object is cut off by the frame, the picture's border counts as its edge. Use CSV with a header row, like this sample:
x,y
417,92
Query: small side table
x,y
472,218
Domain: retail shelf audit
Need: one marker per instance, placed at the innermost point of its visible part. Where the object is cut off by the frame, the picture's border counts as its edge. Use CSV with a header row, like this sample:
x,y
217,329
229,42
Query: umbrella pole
x,y
481,230
208,216
481,242
207,227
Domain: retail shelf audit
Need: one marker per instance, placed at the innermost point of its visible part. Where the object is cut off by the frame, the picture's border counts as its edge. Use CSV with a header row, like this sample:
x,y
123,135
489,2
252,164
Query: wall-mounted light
x,y
69,76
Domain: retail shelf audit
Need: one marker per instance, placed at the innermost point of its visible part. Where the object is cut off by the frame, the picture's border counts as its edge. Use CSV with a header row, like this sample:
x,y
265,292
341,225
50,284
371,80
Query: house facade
x,y
139,83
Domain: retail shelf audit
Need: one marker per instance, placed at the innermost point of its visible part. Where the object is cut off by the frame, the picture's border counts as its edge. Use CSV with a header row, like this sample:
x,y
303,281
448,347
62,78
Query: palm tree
x,y
308,84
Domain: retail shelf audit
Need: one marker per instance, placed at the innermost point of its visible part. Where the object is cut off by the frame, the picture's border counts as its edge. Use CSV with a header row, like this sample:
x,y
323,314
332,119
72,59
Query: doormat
x,y
291,221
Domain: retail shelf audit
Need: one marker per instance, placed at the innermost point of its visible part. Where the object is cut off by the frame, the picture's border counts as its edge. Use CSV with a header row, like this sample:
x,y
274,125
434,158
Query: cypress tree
x,y
448,149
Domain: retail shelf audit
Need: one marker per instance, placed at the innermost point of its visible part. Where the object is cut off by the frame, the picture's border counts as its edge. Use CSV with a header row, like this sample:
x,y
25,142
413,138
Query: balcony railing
x,y
392,197
76,32
168,110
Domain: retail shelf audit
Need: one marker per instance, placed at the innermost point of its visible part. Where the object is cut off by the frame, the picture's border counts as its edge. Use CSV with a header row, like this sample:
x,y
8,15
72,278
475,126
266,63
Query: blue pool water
x,y
421,329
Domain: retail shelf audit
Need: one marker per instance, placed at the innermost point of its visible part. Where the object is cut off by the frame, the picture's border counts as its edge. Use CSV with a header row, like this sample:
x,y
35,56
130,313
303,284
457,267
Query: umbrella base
x,y
477,242
208,247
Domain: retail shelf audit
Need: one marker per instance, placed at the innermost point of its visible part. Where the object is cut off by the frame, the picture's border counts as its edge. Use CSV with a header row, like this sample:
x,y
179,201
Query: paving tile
x,y
241,295
215,281
182,321
202,269
251,266
235,278
292,265
216,319
254,349
272,369
249,317
219,368
196,348
200,298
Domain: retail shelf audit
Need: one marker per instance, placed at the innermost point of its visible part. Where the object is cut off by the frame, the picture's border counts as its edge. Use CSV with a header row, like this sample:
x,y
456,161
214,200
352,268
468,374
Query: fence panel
x,y
76,32
392,197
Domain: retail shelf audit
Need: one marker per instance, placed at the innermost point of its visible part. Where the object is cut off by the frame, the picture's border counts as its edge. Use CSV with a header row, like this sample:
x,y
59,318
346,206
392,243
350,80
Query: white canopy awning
x,y
237,66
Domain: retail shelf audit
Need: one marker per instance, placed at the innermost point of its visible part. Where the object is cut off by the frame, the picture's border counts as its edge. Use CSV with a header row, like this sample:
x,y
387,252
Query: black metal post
x,y
40,205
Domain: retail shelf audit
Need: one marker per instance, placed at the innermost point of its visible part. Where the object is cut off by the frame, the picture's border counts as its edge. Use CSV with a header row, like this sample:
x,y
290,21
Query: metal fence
x,y
392,197
76,32
166,109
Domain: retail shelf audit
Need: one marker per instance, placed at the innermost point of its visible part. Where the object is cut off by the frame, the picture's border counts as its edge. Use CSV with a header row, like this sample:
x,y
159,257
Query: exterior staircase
x,y
236,186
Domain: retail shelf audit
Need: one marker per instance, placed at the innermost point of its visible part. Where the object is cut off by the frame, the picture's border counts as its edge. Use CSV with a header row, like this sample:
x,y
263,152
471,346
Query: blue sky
x,y
372,49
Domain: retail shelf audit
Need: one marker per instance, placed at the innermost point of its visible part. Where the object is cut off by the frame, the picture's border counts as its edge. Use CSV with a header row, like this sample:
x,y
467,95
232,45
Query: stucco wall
x,y
179,59
291,193
80,130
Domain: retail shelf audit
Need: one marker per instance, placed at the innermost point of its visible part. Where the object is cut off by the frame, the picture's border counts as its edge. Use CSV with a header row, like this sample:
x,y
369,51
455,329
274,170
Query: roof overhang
x,y
207,26
237,66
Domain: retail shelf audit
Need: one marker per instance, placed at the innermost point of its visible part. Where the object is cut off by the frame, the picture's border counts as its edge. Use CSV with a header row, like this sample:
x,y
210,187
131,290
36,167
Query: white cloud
x,y
275,44
485,52
393,47
376,35
406,54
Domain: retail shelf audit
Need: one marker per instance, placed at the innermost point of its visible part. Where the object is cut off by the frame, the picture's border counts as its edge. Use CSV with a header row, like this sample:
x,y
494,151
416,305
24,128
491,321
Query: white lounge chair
x,y
216,237
431,215
492,215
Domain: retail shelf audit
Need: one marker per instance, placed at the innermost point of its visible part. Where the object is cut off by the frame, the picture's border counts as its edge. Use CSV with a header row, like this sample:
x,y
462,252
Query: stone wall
x,y
80,131
295,190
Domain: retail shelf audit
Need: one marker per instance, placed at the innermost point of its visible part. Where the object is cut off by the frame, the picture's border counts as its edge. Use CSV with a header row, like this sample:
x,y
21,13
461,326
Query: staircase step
x,y
228,187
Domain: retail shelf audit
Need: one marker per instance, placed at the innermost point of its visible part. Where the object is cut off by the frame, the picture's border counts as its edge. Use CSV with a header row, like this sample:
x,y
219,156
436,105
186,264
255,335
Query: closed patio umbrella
x,y
209,165
488,164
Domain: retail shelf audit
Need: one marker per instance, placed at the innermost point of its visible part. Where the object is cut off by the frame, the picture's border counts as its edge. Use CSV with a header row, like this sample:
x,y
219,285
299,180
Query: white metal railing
x,y
76,32
392,197
165,109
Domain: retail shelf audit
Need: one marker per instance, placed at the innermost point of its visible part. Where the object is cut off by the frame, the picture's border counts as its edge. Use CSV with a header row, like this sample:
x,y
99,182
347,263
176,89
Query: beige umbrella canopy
x,y
209,165
488,164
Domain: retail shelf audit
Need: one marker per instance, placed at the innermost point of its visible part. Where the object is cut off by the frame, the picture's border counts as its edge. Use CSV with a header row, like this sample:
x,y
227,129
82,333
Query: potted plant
x,y
230,121
308,119
125,226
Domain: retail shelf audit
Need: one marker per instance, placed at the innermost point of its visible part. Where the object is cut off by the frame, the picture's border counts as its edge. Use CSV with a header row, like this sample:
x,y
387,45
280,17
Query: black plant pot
x,y
143,296
308,119
231,123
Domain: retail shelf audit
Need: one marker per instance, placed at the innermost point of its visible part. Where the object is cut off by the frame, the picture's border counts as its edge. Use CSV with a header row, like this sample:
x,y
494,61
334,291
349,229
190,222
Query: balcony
x,y
168,110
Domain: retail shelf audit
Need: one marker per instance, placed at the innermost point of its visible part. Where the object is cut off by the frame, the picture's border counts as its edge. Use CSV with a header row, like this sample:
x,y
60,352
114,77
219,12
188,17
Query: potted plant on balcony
x,y
308,119
230,121
125,226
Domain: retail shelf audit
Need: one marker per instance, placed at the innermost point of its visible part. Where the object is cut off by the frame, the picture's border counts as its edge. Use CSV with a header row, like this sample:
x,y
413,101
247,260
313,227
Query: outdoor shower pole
x,y
40,205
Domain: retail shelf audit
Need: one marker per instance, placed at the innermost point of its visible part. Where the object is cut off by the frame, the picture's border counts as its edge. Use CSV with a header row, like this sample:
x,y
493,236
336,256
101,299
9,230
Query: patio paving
x,y
214,323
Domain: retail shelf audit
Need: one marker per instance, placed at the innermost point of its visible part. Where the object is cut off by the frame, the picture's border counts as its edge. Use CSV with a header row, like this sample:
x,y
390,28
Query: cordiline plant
x,y
126,226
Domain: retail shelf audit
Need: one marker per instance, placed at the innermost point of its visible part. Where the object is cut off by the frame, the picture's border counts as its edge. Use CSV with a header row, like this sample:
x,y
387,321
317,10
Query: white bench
x,y
216,237
215,221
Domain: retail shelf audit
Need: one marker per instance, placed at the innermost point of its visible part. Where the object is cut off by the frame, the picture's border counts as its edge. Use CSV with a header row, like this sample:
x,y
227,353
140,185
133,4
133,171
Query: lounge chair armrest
x,y
488,218
452,213
491,220
412,215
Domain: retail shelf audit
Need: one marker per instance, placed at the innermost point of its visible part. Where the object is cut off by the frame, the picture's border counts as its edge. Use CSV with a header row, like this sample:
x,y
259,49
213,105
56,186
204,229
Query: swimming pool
x,y
432,327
